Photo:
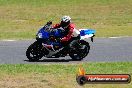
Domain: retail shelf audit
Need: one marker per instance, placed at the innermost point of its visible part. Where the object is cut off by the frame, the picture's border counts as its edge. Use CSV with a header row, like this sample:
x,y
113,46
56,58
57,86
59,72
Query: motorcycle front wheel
x,y
81,52
34,51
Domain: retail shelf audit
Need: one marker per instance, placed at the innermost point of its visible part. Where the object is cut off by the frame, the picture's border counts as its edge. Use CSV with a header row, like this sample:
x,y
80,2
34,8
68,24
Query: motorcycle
x,y
48,44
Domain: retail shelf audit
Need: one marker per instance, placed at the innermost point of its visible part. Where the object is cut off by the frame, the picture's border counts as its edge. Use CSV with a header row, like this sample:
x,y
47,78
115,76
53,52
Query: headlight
x,y
39,35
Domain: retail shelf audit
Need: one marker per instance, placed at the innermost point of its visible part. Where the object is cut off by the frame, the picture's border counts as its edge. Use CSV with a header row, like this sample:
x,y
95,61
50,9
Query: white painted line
x,y
9,40
114,37
120,37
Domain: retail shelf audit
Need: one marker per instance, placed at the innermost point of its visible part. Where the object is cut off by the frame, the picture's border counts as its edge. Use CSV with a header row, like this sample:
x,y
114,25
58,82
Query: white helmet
x,y
65,21
66,18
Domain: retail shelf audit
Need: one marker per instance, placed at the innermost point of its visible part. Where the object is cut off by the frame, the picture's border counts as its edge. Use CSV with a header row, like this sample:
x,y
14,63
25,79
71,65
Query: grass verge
x,y
59,75
20,19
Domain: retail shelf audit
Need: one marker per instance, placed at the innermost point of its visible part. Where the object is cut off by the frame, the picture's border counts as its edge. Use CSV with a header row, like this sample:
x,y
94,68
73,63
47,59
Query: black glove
x,y
49,22
58,39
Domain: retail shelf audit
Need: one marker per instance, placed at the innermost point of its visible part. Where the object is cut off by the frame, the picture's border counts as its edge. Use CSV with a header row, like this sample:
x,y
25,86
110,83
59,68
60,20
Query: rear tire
x,y
34,52
79,53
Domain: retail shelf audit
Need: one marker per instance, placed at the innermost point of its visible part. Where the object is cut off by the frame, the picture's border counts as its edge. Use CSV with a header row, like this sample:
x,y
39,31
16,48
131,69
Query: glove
x,y
59,40
49,22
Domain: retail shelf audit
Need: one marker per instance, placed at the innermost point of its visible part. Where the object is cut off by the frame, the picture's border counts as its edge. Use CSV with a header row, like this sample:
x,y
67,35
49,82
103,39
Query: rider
x,y
70,31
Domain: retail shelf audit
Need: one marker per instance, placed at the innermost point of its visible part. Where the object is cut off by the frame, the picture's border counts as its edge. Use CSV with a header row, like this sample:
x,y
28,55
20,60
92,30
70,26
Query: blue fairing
x,y
87,32
46,35
57,33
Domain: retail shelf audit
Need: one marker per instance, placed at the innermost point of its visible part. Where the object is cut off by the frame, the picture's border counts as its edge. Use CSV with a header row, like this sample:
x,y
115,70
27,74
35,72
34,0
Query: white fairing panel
x,y
86,36
75,32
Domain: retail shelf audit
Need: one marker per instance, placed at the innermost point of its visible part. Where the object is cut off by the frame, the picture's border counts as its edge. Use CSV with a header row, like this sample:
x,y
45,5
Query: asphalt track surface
x,y
102,50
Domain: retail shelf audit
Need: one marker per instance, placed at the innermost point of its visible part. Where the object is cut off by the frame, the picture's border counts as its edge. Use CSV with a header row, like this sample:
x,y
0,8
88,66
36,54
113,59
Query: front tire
x,y
34,51
79,53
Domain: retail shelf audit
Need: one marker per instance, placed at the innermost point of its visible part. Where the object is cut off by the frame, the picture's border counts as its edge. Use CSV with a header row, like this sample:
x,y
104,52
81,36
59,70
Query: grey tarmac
x,y
102,50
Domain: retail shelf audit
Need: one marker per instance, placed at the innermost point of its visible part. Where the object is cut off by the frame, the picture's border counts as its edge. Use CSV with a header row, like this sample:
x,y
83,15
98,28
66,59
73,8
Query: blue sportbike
x,y
48,44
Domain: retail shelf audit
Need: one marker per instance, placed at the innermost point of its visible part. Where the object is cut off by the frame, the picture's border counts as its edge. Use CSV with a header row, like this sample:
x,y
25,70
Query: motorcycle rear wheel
x,y
79,53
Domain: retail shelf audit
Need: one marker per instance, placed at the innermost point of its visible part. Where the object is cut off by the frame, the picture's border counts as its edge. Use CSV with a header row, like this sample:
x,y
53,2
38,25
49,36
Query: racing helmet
x,y
65,21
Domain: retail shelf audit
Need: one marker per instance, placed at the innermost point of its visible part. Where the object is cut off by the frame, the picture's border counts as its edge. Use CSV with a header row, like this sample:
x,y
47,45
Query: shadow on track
x,y
51,60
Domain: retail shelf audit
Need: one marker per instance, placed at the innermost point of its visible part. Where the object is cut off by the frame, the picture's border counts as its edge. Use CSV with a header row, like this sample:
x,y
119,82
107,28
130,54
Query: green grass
x,y
20,19
59,75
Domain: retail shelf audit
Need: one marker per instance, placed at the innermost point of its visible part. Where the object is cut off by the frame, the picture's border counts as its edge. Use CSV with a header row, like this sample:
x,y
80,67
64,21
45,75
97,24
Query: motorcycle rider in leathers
x,y
70,32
